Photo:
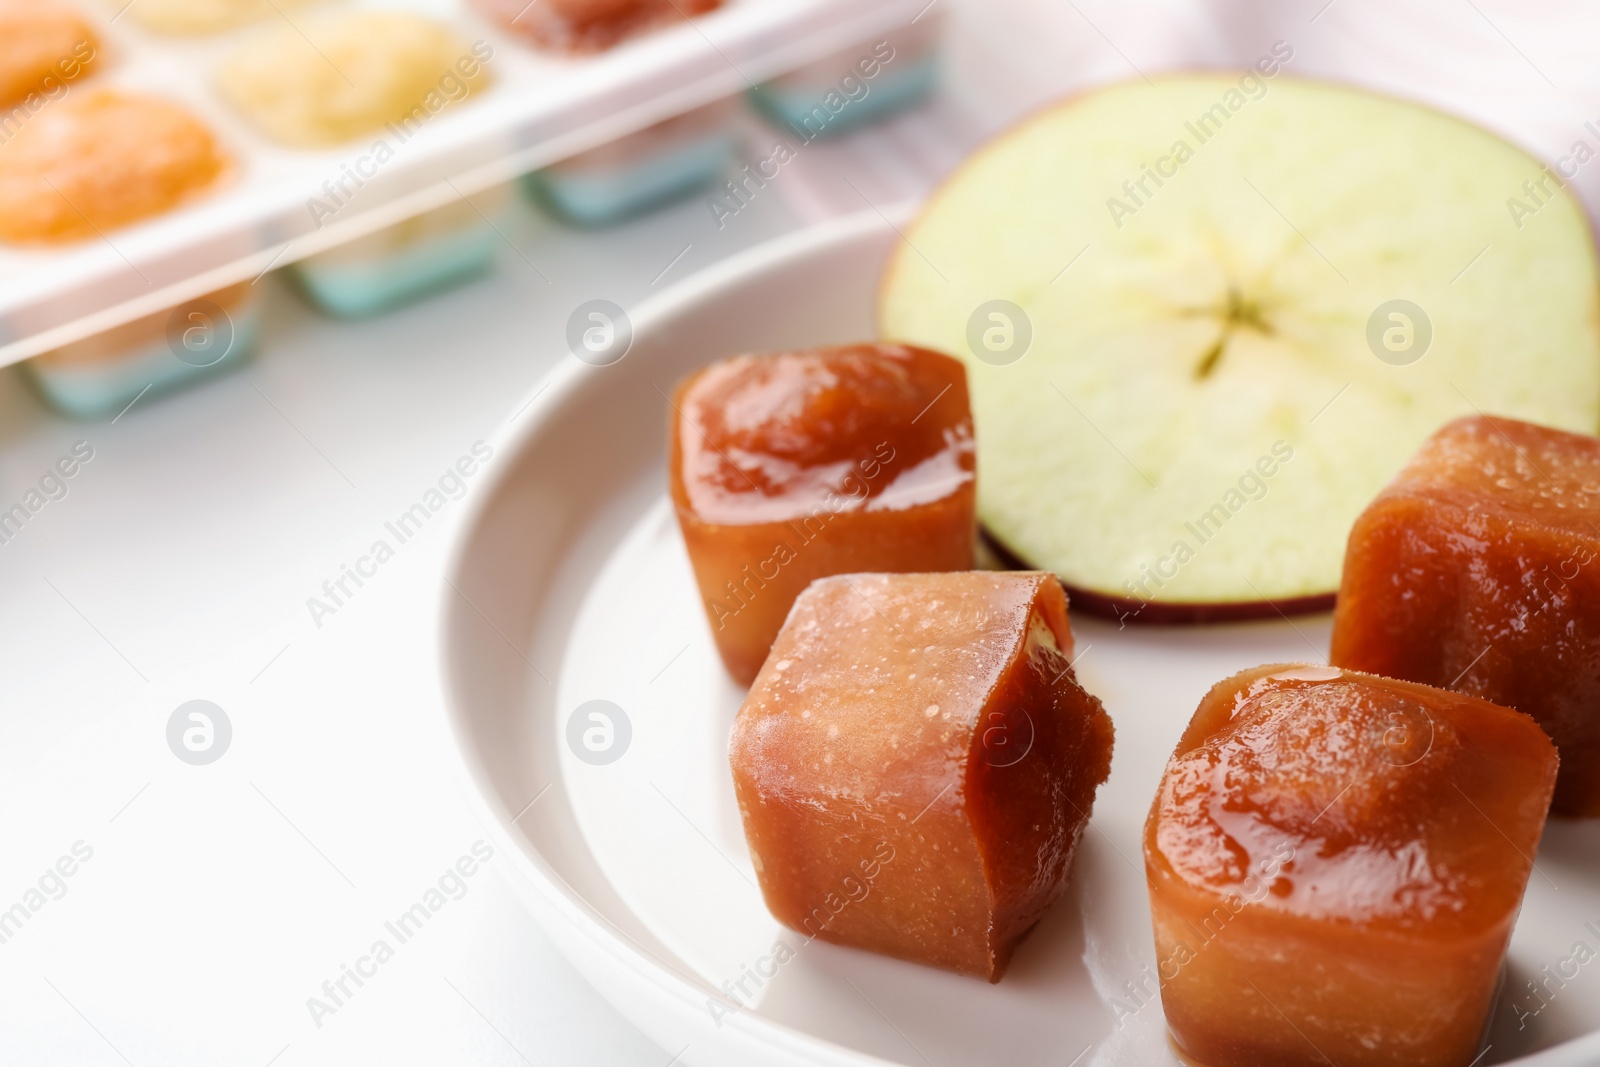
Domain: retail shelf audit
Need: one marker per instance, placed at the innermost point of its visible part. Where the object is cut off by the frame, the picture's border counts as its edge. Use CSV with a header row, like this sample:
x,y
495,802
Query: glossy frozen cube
x,y
1478,569
791,466
1335,863
916,762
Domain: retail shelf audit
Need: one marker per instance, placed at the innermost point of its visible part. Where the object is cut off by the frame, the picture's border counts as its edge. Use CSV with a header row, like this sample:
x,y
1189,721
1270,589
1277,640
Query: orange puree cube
x,y
916,761
793,466
1335,863
43,45
1478,569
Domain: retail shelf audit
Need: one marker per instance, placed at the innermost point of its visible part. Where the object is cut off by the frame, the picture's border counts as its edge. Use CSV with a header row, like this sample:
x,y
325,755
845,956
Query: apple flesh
x,y
1185,388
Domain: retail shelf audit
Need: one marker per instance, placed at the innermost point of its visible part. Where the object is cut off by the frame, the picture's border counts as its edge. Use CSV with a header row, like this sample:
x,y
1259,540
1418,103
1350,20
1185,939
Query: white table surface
x,y
219,898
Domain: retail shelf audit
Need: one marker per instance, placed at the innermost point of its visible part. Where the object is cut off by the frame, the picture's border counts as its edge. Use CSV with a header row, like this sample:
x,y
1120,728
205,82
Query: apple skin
x,y
1167,613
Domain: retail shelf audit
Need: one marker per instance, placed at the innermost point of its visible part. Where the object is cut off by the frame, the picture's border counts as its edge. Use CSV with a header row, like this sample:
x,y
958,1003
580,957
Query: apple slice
x,y
1206,319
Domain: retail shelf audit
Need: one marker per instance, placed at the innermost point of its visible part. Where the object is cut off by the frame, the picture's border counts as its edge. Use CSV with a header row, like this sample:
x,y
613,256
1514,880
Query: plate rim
x,y
536,872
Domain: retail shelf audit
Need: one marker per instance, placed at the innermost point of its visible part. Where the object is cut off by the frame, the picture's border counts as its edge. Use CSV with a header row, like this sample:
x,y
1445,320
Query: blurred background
x,y
247,388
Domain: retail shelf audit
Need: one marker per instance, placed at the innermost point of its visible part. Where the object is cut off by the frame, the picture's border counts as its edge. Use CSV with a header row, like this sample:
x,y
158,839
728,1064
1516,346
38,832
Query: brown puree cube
x,y
583,26
916,761
1335,862
792,466
1478,569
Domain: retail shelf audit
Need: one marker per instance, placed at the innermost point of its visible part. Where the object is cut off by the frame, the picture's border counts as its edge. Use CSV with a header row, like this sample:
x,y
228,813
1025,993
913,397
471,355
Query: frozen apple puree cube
x,y
1335,863
794,465
1478,569
916,761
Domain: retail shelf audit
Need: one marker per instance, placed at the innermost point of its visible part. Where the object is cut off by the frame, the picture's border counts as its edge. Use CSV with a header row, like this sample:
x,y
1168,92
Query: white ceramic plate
x,y
569,584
